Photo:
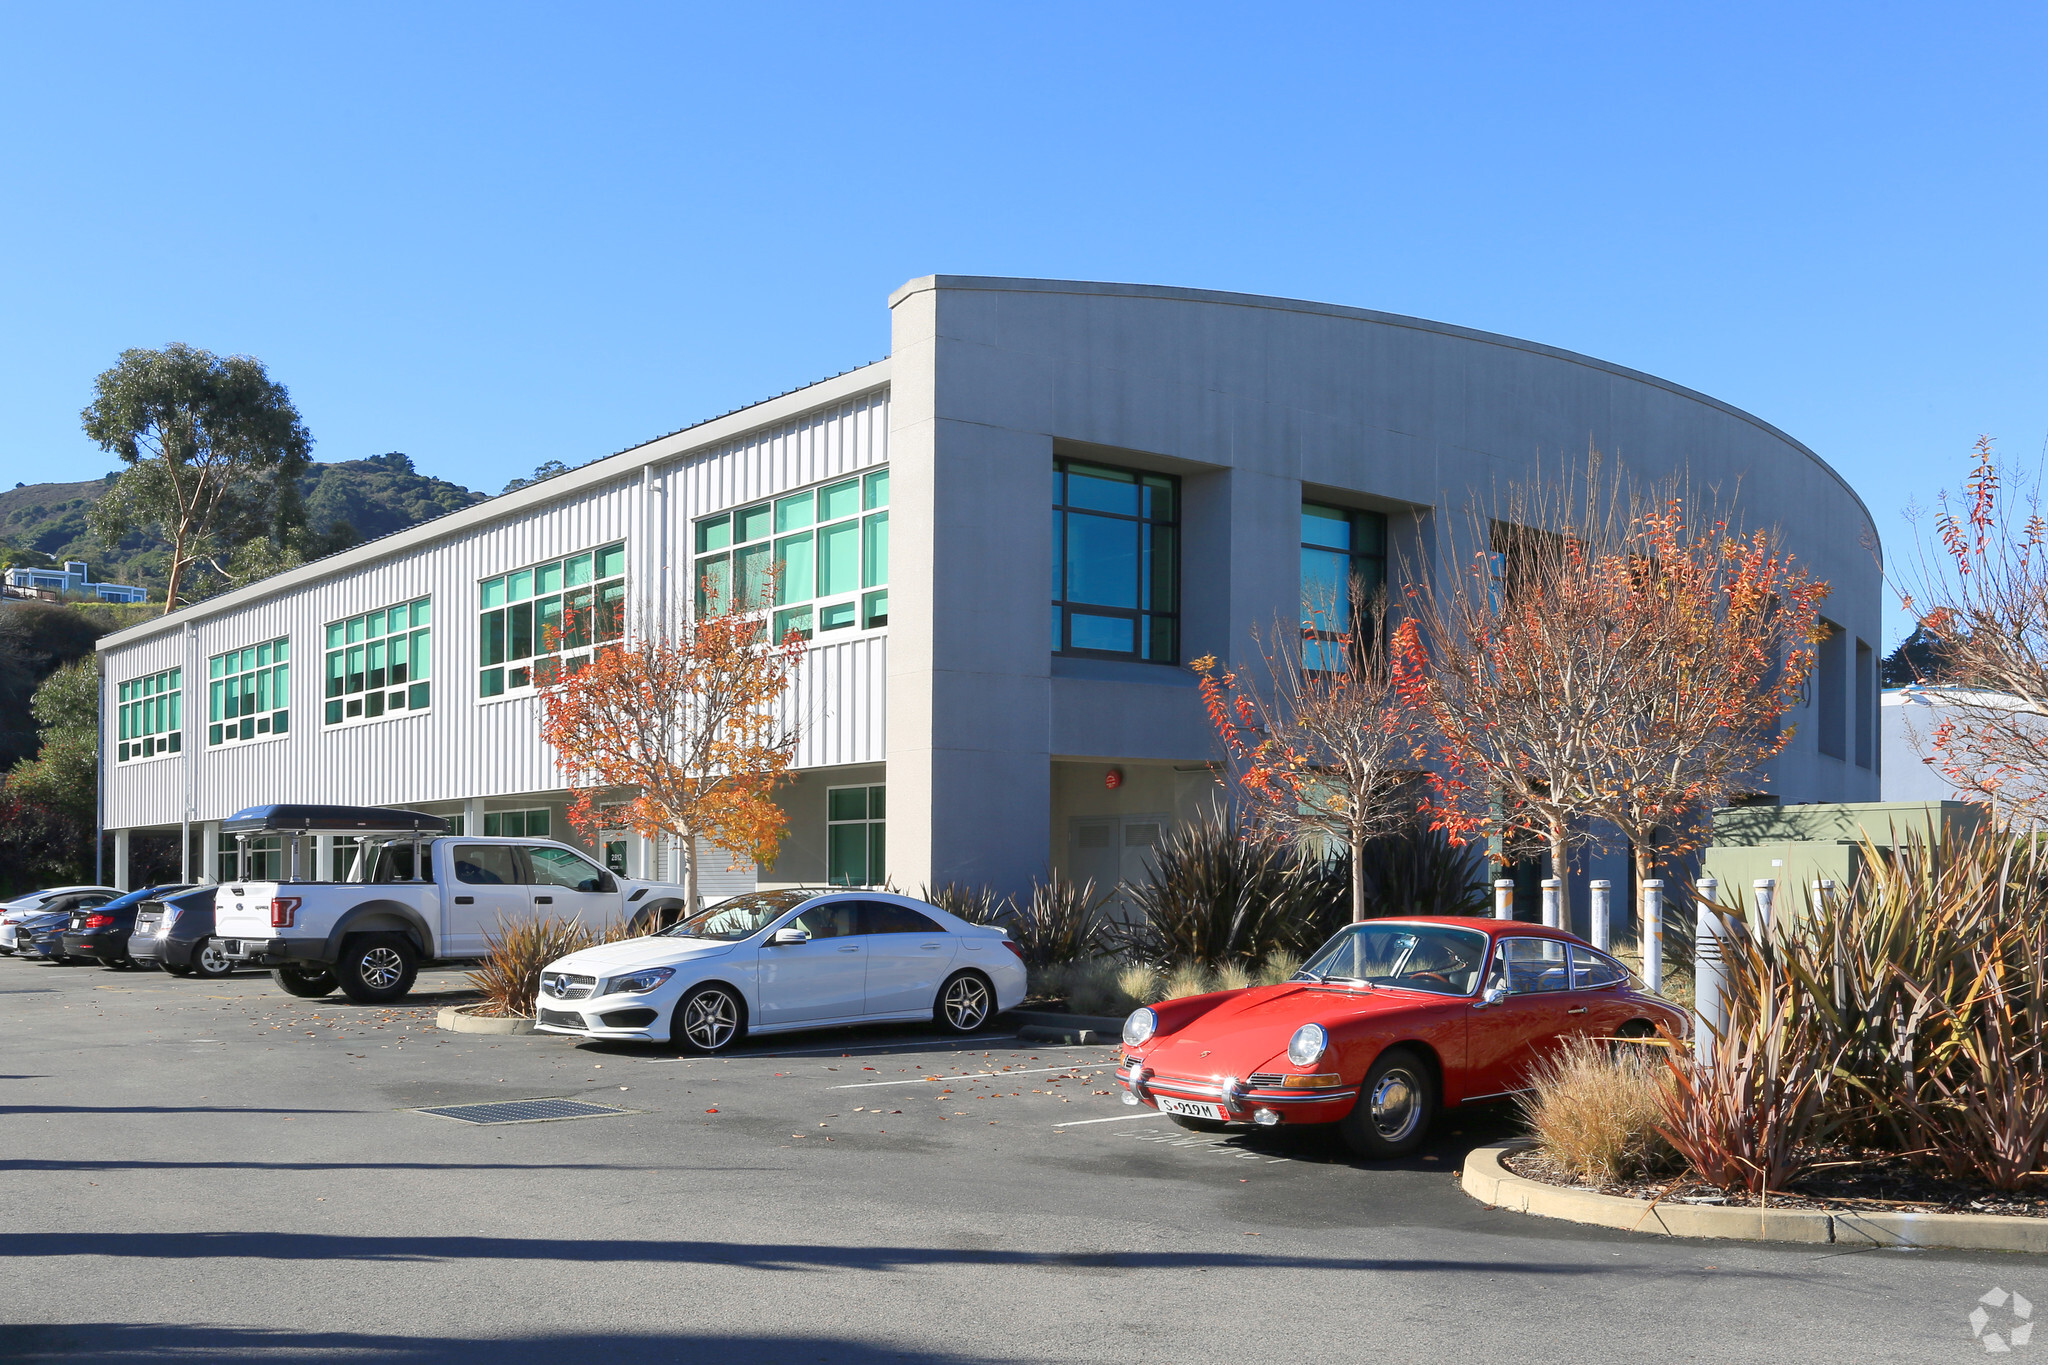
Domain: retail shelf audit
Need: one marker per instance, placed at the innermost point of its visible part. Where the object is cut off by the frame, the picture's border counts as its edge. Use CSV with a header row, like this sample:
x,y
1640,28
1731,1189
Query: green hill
x,y
372,497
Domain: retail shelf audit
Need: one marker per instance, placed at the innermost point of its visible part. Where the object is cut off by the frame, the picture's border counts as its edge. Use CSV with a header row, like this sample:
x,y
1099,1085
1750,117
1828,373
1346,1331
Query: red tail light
x,y
281,911
1015,949
98,921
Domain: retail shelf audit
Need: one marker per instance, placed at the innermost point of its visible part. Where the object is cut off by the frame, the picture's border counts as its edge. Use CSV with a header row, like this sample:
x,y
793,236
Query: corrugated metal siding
x,y
465,747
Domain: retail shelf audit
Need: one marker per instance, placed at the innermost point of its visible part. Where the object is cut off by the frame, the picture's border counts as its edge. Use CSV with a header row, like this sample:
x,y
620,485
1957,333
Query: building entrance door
x,y
1112,850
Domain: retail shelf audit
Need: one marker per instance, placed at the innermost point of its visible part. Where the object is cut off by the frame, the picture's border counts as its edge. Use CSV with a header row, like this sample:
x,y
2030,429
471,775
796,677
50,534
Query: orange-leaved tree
x,y
1324,748
1983,597
687,723
1606,657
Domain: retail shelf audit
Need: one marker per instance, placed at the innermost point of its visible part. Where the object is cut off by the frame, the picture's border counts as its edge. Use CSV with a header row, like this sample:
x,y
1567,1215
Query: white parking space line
x,y
964,1076
905,1042
1113,1118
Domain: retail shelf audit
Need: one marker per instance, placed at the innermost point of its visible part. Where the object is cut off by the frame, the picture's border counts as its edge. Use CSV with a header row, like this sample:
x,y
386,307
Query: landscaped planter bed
x,y
1491,1175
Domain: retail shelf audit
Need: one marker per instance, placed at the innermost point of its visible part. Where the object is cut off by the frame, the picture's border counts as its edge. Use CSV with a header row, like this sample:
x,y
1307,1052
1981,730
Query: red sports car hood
x,y
1249,1032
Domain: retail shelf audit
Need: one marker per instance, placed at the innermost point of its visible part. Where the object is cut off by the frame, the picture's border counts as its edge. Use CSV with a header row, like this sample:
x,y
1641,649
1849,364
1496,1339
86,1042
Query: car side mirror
x,y
788,937
1493,995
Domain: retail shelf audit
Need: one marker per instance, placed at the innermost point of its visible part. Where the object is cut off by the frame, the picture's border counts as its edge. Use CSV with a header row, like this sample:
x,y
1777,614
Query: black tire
x,y
1395,1106
1198,1125
307,985
208,962
1637,1028
175,971
965,1003
376,969
708,1020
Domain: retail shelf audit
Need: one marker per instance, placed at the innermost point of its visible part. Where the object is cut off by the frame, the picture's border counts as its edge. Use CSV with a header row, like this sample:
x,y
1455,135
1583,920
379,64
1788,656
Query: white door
x,y
825,978
1111,850
568,886
489,890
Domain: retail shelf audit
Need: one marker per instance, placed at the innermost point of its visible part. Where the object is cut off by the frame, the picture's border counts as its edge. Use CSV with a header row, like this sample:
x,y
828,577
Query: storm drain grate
x,y
525,1111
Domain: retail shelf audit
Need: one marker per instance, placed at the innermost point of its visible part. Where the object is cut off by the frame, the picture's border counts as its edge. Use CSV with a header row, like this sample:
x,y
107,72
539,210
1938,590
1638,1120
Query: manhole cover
x,y
524,1111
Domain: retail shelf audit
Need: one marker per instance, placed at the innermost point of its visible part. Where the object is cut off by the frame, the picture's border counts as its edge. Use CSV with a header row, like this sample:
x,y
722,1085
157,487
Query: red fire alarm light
x,y
1113,779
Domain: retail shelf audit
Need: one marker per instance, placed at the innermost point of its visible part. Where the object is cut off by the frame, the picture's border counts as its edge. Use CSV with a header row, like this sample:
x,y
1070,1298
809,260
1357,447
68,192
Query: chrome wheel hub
x,y
1396,1105
381,968
966,1003
210,959
710,1020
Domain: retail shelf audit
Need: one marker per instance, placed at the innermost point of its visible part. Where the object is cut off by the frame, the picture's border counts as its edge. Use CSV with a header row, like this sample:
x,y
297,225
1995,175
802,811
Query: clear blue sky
x,y
494,235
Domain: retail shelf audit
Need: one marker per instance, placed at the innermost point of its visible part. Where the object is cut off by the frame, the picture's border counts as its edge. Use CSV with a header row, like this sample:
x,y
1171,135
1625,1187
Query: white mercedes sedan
x,y
772,961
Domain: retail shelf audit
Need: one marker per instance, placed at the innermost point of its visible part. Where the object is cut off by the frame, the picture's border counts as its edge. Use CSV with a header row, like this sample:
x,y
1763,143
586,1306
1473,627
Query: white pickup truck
x,y
413,894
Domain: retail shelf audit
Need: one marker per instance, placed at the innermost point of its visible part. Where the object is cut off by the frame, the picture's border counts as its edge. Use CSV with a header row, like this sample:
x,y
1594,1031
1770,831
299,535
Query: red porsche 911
x,y
1388,1022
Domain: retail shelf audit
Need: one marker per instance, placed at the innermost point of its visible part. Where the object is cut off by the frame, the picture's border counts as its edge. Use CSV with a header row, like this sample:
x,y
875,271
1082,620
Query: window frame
x,y
788,528
525,830
261,723
1147,617
603,628
161,709
874,844
1355,520
349,642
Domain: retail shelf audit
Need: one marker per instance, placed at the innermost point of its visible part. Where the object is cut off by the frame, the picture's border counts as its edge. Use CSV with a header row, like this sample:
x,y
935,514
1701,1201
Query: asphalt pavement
x,y
200,1171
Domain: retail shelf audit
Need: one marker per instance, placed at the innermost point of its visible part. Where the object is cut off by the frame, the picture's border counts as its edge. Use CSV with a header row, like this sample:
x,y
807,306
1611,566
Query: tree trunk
x,y
177,573
1357,879
1560,868
689,855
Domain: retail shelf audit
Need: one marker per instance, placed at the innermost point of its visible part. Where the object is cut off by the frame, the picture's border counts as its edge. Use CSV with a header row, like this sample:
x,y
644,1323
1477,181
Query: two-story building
x,y
1005,541
72,577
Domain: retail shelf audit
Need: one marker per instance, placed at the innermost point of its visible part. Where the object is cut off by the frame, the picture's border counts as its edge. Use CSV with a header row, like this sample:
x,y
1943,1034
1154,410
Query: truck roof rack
x,y
331,820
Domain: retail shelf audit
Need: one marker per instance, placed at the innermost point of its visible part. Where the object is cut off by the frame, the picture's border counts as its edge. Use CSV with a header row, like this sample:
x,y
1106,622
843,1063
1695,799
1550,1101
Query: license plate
x,y
1190,1109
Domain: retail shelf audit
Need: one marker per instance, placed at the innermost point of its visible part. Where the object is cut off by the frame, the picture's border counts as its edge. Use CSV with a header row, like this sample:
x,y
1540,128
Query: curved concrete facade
x,y
995,745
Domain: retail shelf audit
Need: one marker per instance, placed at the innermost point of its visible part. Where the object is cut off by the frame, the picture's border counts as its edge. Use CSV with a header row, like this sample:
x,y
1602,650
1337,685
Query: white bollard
x,y
1710,992
1504,898
1552,902
1766,889
1602,900
1653,933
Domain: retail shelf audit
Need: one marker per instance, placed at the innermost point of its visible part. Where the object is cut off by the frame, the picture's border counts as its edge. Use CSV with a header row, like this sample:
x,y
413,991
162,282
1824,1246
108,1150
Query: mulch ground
x,y
1841,1180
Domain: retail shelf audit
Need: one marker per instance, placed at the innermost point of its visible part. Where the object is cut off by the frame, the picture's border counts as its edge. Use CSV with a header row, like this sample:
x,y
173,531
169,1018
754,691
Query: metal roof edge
x,y
678,444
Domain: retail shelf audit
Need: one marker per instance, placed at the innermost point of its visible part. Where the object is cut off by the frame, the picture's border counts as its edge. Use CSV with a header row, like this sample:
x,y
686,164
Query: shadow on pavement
x,y
182,1342
300,1246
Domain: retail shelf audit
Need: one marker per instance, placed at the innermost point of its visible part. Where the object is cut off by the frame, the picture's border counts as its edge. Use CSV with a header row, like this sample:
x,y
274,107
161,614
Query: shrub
x,y
1061,922
1417,870
1139,982
1278,967
520,950
1215,896
975,904
1092,987
1231,976
1187,978
1597,1109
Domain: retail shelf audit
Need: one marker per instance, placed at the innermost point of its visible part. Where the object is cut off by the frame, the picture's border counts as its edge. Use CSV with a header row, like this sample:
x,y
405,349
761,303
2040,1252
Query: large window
x,y
539,621
819,557
151,716
248,693
1115,563
1338,544
380,664
265,863
853,835
516,824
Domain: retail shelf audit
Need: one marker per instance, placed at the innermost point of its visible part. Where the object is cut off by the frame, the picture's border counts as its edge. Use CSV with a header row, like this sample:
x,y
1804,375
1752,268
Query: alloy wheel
x,y
966,1003
210,959
710,1019
1396,1105
381,967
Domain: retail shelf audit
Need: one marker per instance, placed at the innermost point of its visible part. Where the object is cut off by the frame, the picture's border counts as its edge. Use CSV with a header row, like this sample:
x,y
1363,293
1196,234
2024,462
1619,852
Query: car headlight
x,y
638,983
1307,1045
1140,1027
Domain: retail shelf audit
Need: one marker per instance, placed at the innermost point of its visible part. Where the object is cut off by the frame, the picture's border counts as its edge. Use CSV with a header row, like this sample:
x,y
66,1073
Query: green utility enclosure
x,y
1798,846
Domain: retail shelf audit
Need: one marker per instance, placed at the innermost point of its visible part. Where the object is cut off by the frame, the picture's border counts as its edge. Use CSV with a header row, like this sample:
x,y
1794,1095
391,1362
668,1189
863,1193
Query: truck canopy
x,y
331,820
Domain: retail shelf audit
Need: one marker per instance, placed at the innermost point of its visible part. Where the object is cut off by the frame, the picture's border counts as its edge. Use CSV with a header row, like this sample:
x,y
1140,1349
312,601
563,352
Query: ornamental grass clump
x,y
508,977
1597,1109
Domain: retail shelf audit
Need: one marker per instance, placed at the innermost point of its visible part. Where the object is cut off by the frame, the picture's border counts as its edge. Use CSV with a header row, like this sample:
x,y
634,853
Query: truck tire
x,y
376,969
307,984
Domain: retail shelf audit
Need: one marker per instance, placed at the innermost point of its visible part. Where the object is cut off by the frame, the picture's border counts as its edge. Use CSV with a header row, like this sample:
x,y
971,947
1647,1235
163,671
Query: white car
x,y
772,961
13,912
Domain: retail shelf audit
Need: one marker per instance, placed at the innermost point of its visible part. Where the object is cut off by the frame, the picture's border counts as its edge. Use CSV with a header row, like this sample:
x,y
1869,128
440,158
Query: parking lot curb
x,y
1486,1179
456,1019
1050,1026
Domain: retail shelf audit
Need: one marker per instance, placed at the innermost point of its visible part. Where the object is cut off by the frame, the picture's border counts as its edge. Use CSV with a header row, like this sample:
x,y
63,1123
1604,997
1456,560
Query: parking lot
x,y
214,1170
